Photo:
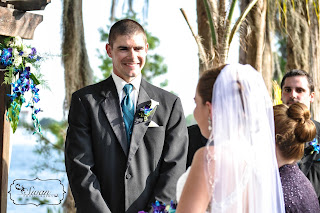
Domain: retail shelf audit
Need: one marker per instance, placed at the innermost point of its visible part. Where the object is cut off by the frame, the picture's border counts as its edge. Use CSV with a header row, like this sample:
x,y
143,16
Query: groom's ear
x,y
209,108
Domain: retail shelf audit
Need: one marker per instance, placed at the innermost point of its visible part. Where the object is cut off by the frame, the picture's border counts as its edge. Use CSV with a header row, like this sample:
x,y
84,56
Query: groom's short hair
x,y
125,27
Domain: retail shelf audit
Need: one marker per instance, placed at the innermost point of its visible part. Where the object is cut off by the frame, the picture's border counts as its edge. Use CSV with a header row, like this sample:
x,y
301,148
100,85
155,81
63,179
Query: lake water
x,y
23,160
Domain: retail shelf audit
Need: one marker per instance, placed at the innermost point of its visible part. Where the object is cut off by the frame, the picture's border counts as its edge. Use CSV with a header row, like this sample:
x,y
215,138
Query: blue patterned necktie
x,y
128,110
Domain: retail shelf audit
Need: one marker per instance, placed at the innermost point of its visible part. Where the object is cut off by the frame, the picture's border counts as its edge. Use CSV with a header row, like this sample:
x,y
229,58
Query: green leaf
x,y
210,19
34,79
13,113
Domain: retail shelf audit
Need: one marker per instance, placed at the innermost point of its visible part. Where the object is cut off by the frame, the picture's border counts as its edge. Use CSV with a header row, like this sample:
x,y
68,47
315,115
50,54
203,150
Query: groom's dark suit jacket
x,y
105,174
310,163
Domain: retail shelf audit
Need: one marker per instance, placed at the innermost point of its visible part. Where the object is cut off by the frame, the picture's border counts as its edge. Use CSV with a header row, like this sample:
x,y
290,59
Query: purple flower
x,y
33,51
158,207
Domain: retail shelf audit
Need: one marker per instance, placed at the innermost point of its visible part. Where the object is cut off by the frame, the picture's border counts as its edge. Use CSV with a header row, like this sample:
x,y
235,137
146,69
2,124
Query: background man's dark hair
x,y
295,72
125,27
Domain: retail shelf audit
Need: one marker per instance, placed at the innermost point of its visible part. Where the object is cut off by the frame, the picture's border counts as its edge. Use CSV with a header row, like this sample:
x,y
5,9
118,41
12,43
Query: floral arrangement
x,y
146,111
162,208
20,62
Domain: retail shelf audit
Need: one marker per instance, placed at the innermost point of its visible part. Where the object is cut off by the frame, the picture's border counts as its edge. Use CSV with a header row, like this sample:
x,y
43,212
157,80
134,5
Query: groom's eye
x,y
123,48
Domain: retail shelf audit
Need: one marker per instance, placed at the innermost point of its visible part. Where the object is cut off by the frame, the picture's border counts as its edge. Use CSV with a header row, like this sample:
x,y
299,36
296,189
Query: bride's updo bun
x,y
305,129
293,128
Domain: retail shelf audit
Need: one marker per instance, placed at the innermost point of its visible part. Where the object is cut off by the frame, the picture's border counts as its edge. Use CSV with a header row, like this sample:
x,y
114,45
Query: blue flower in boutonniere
x,y
146,111
158,207
315,145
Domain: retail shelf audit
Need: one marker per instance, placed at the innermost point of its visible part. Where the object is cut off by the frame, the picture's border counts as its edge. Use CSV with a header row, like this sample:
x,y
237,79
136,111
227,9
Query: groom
x,y
127,140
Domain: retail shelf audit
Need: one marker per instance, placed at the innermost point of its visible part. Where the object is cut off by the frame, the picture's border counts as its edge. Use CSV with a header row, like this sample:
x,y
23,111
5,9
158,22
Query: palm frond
x,y
241,19
316,8
212,29
276,93
202,53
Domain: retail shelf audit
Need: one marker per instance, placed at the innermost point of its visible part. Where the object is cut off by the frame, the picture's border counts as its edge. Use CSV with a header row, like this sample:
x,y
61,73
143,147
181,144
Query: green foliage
x,y
154,66
190,120
54,210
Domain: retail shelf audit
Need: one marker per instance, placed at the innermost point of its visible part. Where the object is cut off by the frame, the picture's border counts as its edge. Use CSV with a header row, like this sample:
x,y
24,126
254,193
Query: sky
x,y
165,21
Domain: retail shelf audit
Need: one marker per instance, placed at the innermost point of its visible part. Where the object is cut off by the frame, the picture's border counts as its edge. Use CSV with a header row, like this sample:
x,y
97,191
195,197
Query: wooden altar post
x,y
14,21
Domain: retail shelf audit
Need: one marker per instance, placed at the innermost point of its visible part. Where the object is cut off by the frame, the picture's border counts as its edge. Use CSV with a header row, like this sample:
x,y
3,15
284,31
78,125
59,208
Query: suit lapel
x,y
140,127
111,108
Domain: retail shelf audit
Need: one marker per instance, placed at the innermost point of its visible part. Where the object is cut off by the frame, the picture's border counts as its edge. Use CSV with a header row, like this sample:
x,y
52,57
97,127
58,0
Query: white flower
x,y
17,41
26,51
153,103
10,44
15,52
17,60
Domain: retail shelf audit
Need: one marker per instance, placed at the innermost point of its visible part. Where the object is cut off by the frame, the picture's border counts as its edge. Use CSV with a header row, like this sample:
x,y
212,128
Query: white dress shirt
x,y
120,83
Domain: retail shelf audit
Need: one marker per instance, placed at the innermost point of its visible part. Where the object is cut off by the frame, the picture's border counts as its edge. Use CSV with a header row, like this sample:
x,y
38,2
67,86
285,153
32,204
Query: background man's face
x,y
296,89
128,54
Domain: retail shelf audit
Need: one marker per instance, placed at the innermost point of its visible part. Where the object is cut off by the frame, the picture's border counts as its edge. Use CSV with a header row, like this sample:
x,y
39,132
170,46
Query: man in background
x,y
297,86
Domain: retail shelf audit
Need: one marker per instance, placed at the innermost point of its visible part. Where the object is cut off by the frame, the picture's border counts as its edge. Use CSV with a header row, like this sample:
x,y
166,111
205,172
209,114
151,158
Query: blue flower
x,y
36,111
315,145
36,98
6,56
158,207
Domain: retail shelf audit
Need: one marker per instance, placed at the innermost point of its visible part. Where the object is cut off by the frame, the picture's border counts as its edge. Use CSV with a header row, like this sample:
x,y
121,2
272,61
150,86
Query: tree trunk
x,y
315,62
78,72
252,51
69,204
204,32
267,62
244,35
298,42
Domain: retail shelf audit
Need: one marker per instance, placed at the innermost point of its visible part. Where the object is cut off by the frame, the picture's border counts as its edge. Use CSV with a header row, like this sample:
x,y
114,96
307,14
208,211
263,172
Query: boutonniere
x,y
315,146
159,207
146,111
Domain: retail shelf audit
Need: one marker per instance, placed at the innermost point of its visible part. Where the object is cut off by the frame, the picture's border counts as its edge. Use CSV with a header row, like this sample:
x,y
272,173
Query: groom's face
x,y
128,53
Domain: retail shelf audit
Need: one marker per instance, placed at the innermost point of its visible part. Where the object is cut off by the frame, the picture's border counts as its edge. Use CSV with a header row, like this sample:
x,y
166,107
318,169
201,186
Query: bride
x,y
237,171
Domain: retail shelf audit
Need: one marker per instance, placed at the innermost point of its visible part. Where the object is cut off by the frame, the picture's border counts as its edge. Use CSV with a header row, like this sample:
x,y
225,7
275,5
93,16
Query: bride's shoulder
x,y
203,151
202,155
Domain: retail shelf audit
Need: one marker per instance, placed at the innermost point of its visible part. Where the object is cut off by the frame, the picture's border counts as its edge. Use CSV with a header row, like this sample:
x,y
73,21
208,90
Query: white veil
x,y
242,170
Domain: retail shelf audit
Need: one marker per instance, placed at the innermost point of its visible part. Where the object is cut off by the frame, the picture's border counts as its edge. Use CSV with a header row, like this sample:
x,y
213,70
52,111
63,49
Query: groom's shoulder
x,y
93,89
316,122
161,93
